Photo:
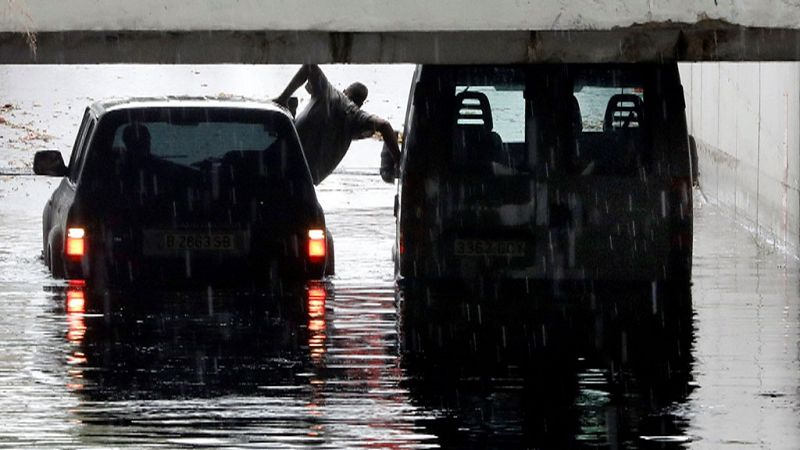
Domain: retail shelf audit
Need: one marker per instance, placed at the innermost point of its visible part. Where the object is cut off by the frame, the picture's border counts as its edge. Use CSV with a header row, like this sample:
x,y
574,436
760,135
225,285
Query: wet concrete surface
x,y
355,363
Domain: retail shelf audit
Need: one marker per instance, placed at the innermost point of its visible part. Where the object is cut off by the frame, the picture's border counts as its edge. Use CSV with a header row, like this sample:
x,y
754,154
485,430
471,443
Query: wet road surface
x,y
355,364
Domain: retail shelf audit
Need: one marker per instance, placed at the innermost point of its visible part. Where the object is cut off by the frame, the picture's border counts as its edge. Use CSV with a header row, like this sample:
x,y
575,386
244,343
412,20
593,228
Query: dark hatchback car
x,y
546,172
184,190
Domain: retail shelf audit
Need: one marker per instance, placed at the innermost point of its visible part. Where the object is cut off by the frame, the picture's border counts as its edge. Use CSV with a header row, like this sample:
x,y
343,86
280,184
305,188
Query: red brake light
x,y
316,243
76,245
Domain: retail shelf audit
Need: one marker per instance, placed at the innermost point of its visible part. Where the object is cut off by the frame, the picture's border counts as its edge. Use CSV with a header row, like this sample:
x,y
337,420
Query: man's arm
x,y
299,78
310,73
389,169
316,80
389,136
365,125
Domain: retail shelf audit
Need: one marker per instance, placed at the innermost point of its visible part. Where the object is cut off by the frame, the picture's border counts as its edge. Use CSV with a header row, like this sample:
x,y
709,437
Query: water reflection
x,y
316,321
599,367
371,367
318,367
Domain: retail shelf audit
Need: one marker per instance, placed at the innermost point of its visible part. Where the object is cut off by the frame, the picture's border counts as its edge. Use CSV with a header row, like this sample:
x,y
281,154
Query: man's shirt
x,y
327,126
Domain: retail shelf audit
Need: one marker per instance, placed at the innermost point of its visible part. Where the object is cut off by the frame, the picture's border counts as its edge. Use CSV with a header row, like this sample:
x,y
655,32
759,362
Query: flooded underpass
x,y
354,364
358,363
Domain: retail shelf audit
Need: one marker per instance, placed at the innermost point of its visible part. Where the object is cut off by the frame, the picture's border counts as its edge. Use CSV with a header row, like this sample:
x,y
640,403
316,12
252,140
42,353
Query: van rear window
x,y
594,100
506,106
573,120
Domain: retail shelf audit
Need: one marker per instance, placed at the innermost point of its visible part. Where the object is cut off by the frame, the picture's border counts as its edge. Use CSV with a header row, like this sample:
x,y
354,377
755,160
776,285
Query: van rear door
x,y
548,171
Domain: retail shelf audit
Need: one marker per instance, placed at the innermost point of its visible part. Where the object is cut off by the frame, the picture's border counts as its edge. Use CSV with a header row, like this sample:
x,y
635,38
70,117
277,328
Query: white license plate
x,y
198,241
173,242
481,247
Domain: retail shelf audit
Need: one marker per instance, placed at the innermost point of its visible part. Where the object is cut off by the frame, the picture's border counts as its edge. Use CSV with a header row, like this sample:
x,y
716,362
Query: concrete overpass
x,y
745,116
357,31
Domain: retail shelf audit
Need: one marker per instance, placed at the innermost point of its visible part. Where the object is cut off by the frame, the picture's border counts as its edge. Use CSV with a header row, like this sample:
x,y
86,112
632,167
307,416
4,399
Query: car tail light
x,y
316,243
76,244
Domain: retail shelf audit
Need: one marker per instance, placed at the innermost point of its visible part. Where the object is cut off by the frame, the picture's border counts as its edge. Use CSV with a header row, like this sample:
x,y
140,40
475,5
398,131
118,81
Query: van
x,y
545,172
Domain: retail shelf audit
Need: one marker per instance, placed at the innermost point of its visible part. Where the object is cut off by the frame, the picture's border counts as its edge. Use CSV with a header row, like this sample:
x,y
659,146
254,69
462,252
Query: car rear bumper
x,y
195,271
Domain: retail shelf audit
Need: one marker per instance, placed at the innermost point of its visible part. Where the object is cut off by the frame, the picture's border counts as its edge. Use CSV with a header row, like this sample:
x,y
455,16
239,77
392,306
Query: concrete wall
x,y
745,118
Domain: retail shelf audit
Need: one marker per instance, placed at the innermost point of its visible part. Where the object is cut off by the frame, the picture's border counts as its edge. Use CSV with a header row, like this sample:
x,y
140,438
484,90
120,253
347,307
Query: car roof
x,y
102,107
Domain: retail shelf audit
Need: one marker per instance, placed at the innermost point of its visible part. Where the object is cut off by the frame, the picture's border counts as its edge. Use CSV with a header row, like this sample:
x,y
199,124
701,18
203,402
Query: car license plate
x,y
172,242
198,241
480,247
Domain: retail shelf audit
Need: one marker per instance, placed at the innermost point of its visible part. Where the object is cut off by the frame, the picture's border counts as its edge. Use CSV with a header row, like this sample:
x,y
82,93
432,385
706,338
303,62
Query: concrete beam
x,y
400,31
705,41
381,16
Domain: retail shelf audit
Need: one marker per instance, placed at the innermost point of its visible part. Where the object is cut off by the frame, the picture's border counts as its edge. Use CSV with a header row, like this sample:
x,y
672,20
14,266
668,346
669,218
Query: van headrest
x,y
473,109
622,111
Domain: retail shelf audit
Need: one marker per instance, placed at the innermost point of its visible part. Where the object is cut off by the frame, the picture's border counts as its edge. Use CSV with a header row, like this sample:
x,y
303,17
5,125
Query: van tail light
x,y
681,197
316,244
76,242
681,187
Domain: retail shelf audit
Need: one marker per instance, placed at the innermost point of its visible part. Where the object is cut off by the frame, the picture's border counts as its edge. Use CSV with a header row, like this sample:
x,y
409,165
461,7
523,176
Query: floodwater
x,y
353,364
357,363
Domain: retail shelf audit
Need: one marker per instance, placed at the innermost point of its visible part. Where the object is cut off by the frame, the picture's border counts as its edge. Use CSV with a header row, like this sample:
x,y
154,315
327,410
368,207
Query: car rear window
x,y
198,138
191,143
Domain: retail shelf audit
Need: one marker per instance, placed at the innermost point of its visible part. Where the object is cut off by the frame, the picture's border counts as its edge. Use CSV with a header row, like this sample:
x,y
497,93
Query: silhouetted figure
x,y
136,138
332,120
135,176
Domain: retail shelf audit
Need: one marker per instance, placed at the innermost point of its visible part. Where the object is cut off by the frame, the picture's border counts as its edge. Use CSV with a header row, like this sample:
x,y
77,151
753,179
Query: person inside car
x,y
332,120
136,154
136,138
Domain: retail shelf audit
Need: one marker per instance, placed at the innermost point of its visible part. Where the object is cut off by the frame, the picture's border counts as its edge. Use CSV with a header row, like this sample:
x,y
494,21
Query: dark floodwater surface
x,y
353,363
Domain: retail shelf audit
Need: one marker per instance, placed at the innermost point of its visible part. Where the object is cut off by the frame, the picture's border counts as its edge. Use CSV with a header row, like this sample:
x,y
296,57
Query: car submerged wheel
x,y
56,264
330,264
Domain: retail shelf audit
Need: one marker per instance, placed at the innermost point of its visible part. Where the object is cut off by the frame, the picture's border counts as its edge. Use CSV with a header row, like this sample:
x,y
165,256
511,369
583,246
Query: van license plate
x,y
479,247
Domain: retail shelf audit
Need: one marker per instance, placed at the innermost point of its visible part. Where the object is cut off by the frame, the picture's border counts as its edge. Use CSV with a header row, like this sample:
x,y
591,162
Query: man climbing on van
x,y
332,120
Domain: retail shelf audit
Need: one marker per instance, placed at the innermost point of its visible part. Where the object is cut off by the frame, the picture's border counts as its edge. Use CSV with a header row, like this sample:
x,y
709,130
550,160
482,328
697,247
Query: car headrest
x,y
136,138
